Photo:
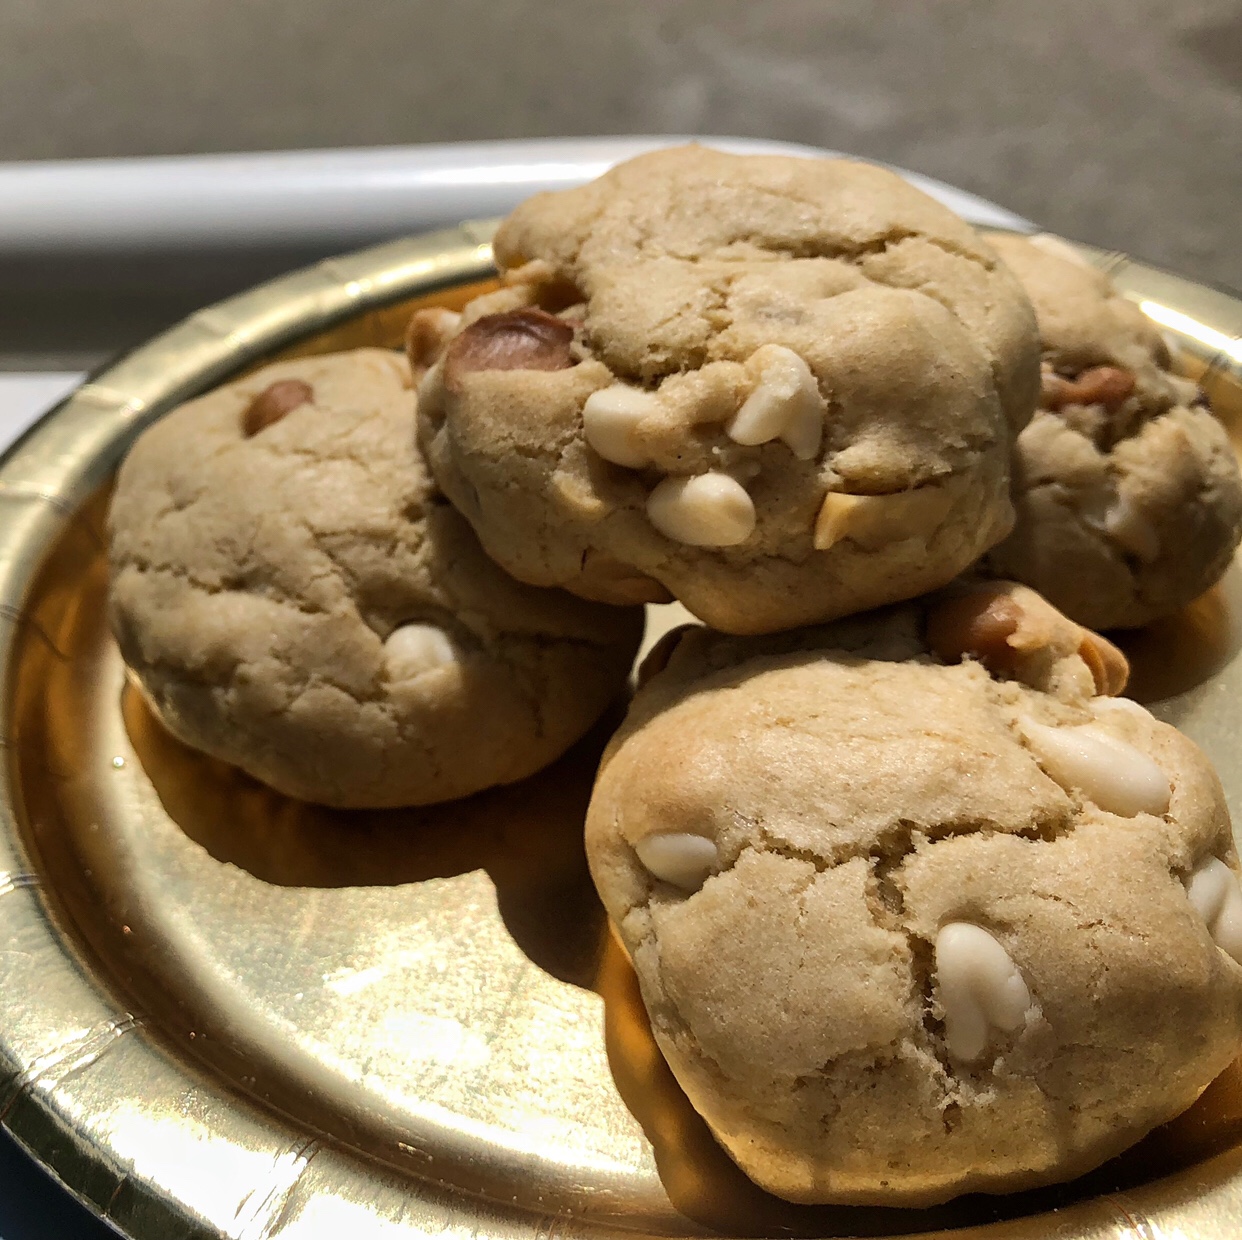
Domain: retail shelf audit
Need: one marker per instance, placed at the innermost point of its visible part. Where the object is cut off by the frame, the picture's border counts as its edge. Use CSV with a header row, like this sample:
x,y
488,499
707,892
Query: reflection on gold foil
x,y
528,837
401,981
528,840
1178,652
381,329
153,914
1186,325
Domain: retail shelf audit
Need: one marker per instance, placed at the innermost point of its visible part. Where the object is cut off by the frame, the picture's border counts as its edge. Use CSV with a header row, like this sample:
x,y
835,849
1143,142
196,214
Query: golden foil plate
x,y
223,1013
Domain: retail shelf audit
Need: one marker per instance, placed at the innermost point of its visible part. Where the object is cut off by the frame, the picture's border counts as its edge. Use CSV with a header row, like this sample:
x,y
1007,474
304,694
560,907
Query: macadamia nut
x,y
873,520
275,402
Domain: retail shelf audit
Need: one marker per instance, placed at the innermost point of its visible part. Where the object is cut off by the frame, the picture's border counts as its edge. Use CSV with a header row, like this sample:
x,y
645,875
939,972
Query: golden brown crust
x,y
1127,491
881,350
859,796
257,582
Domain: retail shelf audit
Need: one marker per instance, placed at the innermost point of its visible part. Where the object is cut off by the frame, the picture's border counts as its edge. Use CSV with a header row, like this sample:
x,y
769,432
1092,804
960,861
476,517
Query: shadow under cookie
x,y
1179,652
526,836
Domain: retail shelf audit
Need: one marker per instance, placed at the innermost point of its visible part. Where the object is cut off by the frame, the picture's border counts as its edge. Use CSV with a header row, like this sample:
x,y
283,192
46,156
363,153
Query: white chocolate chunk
x,y
873,520
1132,530
414,649
1215,895
708,510
785,404
677,857
1119,778
610,419
980,989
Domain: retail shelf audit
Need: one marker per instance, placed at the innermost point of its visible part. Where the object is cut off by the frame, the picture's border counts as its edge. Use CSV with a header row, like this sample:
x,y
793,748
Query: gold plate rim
x,y
67,1019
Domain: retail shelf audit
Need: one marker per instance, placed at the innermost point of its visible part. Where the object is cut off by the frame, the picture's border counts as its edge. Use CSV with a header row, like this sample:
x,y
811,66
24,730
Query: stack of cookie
x,y
293,595
914,899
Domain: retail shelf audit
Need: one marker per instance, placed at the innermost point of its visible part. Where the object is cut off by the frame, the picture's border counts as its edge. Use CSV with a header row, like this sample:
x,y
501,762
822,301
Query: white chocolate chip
x,y
873,520
1215,895
980,989
414,649
708,510
678,857
610,418
1132,530
785,404
1112,773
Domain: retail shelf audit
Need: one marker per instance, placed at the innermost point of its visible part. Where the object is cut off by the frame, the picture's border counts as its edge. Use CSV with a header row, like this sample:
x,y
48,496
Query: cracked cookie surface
x,y
295,597
1127,492
778,389
905,929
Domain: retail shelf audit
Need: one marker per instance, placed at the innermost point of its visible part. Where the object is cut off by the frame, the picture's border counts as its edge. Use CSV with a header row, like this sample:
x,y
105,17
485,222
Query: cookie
x,y
915,910
1127,491
294,596
778,389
